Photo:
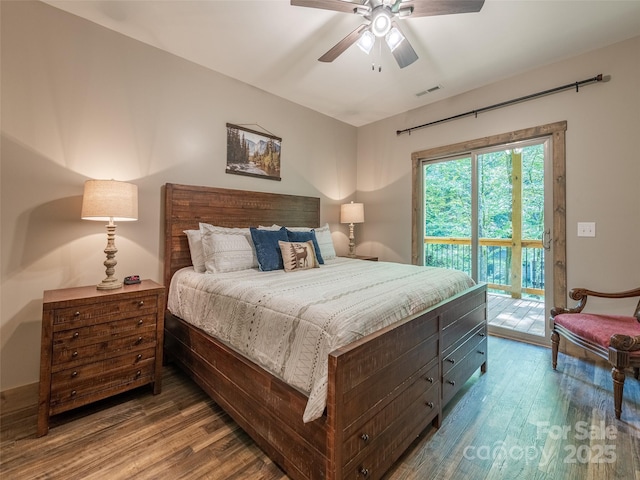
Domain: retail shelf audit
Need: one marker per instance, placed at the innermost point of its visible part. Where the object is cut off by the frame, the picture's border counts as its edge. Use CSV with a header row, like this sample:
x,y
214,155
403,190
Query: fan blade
x,y
404,53
335,5
343,44
395,7
429,8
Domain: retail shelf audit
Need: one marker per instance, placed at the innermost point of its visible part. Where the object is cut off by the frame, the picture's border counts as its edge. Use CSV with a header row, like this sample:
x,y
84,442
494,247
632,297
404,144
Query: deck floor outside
x,y
517,314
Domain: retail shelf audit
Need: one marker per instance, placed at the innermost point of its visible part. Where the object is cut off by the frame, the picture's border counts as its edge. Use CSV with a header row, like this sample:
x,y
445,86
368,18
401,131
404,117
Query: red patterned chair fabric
x,y
616,338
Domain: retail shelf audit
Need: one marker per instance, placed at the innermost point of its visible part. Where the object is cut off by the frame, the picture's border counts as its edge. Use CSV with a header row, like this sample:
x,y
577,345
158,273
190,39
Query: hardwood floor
x,y
519,420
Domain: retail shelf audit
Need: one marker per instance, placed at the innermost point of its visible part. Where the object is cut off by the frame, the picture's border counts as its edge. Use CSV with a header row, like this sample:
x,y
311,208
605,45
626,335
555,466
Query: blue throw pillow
x,y
267,247
305,237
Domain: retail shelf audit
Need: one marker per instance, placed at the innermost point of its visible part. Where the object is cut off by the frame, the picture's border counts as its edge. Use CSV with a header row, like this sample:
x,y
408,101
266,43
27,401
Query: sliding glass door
x,y
484,214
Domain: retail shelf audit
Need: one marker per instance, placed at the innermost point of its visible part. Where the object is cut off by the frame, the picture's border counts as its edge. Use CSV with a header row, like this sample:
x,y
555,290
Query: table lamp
x,y
352,213
110,200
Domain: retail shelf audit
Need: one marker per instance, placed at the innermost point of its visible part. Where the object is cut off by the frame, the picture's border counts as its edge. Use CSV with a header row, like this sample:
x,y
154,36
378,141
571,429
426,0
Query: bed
x,y
382,389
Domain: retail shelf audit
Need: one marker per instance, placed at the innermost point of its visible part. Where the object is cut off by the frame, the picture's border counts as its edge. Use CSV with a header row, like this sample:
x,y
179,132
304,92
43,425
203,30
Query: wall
x,y
603,171
80,102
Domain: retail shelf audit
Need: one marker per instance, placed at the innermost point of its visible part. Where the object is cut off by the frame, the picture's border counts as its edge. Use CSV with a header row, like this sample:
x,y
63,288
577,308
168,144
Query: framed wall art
x,y
252,153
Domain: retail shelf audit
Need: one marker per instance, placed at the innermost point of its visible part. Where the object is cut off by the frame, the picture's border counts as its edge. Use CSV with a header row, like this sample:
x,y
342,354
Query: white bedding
x,y
289,322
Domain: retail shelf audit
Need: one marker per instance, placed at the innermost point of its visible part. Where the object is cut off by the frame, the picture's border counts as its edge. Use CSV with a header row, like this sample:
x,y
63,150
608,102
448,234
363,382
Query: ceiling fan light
x,y
366,42
394,38
380,22
405,11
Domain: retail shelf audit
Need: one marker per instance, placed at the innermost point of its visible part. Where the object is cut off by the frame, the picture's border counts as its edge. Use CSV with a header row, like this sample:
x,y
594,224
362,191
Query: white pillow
x,y
323,236
195,248
227,249
325,242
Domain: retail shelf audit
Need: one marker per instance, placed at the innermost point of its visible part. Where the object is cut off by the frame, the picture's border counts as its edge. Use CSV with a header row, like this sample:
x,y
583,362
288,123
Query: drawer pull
x,y
139,341
429,379
138,373
74,374
76,334
77,314
139,357
73,393
364,471
482,334
75,353
451,382
430,404
480,352
141,303
451,360
140,322
364,437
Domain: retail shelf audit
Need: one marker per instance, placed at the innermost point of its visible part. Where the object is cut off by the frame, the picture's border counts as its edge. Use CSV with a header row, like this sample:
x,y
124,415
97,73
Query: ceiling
x,y
275,46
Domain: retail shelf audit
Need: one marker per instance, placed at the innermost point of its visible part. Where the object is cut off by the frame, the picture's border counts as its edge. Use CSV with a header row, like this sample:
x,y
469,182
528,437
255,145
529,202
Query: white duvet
x,y
289,322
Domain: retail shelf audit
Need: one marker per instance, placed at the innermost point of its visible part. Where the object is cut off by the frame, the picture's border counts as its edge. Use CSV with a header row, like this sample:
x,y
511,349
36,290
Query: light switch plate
x,y
586,229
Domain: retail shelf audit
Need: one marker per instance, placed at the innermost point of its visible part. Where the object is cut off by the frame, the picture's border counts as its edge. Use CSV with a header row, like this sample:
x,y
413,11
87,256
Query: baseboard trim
x,y
19,398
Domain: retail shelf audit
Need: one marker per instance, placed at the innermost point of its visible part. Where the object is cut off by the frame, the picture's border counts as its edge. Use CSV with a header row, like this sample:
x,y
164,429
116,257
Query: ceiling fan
x,y
382,16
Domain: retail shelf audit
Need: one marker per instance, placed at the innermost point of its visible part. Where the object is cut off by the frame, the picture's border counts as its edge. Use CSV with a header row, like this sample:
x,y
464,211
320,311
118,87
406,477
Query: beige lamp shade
x,y
109,199
352,213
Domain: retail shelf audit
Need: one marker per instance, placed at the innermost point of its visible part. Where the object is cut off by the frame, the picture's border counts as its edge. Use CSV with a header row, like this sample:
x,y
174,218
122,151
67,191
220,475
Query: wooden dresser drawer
x,y
101,387
64,357
77,337
92,313
425,387
371,395
462,370
379,450
97,343
454,331
93,371
466,345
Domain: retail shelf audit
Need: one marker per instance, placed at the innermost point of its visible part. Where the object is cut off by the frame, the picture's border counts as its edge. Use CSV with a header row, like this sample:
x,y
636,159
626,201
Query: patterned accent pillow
x,y
294,236
227,249
298,255
267,249
195,248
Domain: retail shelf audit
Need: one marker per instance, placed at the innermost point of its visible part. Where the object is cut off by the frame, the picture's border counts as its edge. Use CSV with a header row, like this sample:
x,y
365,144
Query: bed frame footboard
x,y
384,390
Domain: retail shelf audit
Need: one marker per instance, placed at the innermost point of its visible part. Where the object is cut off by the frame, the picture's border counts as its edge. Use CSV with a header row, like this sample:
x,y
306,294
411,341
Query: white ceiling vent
x,y
429,90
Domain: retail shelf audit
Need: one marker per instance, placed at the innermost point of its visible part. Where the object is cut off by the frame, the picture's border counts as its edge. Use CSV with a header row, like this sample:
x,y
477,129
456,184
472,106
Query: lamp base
x,y
109,284
352,242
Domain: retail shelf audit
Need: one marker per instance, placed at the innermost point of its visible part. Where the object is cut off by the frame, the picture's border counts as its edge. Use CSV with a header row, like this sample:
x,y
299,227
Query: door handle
x,y
546,239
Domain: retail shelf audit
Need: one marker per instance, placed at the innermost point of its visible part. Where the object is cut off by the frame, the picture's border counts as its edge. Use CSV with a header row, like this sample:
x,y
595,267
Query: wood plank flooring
x,y
517,314
519,420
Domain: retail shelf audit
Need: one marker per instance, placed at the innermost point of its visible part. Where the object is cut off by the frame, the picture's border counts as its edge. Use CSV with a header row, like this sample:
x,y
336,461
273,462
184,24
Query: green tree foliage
x,y
237,150
448,198
448,195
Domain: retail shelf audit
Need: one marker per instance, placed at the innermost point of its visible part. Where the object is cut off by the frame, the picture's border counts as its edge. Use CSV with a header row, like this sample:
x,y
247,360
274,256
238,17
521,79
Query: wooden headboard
x,y
185,206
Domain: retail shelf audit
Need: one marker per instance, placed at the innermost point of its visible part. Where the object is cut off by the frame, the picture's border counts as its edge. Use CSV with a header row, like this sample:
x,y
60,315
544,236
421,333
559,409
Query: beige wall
x,y
80,102
603,167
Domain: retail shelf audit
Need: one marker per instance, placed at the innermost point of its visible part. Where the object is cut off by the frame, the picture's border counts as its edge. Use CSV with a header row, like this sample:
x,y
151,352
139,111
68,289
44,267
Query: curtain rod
x,y
576,85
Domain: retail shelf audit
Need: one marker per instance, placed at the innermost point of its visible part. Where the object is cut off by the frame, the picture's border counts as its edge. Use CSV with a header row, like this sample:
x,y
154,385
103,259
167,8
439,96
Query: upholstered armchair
x,y
616,338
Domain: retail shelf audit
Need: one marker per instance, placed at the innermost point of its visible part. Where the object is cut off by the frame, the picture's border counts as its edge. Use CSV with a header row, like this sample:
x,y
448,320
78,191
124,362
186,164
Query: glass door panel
x,y
484,215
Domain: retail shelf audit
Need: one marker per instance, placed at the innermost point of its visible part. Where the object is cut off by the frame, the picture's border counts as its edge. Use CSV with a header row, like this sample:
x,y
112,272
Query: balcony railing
x,y
503,265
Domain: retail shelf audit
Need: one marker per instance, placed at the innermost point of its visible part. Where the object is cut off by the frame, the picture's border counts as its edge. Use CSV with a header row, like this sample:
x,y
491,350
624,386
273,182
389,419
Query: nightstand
x,y
98,343
364,257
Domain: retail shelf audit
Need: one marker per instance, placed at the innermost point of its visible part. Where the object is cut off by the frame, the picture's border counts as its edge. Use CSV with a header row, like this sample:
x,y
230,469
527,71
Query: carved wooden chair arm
x,y
581,294
625,342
